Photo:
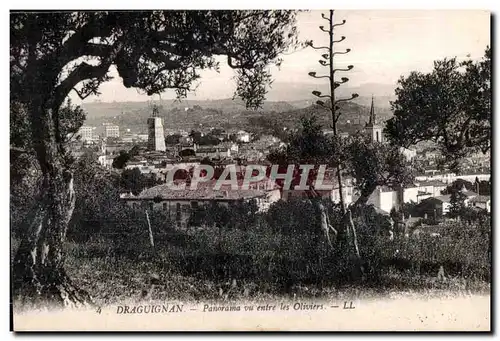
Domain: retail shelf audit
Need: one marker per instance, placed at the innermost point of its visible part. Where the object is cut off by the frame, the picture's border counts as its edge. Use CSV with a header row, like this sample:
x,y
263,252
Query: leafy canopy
x,y
372,164
450,106
368,163
152,50
71,118
308,145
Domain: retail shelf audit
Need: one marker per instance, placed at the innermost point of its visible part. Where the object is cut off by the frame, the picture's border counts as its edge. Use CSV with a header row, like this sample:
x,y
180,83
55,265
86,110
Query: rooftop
x,y
469,193
481,198
431,183
204,191
442,198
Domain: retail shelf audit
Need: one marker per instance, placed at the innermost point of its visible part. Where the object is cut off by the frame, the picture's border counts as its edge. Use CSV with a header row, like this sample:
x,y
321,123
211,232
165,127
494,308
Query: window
x,y
151,206
165,206
378,137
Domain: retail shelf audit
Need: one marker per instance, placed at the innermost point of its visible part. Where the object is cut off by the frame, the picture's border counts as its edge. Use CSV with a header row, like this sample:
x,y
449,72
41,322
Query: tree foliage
x,y
369,164
203,139
372,164
54,53
124,157
132,180
99,213
308,145
71,117
187,152
98,199
25,172
25,181
152,50
458,185
450,106
240,215
298,216
457,203
173,139
121,160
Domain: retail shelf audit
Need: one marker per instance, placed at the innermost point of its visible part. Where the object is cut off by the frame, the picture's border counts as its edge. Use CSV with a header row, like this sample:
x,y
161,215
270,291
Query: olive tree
x,y
451,106
53,54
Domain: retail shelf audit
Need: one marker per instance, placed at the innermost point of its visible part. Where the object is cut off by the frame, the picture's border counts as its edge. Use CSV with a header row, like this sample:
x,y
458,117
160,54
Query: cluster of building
x,y
155,158
178,204
156,155
89,133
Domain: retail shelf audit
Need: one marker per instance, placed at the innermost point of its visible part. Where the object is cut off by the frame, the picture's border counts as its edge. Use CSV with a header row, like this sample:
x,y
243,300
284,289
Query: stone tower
x,y
373,130
156,138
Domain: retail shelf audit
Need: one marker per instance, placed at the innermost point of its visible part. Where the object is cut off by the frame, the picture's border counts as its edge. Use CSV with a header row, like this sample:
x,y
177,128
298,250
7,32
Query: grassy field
x,y
240,265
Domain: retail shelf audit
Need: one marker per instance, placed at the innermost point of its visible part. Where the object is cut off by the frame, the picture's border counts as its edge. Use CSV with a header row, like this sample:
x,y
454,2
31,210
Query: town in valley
x,y
155,149
285,158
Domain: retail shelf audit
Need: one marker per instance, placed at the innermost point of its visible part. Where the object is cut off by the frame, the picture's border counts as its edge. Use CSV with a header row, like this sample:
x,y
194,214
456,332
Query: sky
x,y
385,44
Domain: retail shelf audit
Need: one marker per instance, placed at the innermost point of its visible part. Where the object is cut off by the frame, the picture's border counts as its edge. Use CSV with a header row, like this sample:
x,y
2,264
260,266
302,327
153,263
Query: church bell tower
x,y
156,138
373,130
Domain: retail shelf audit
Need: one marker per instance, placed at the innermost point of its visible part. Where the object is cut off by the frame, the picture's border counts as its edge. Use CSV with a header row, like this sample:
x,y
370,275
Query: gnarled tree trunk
x,y
356,210
328,230
38,270
342,241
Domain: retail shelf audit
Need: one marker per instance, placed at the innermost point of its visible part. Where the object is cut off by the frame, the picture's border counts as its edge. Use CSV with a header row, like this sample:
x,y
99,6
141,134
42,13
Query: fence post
x,y
151,240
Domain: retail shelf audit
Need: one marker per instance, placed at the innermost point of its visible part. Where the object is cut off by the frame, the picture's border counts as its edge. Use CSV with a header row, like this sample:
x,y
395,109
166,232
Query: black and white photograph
x,y
250,170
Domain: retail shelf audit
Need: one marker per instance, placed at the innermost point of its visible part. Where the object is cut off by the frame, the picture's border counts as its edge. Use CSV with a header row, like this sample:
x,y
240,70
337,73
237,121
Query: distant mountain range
x,y
296,92
228,113
353,117
112,109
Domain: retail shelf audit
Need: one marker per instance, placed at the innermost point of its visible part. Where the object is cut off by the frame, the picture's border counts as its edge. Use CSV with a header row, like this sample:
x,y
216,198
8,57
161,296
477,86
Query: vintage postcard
x,y
250,170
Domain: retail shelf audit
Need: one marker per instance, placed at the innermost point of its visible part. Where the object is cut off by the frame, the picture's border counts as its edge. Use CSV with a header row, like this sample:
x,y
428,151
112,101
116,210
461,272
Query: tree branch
x,y
318,94
235,66
322,28
81,94
365,194
349,67
85,71
99,50
340,24
464,129
346,99
325,17
18,150
78,44
346,51
319,47
81,72
168,64
313,74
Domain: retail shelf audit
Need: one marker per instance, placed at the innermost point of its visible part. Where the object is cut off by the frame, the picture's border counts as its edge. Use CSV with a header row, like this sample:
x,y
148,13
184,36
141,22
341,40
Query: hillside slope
x,y
227,113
